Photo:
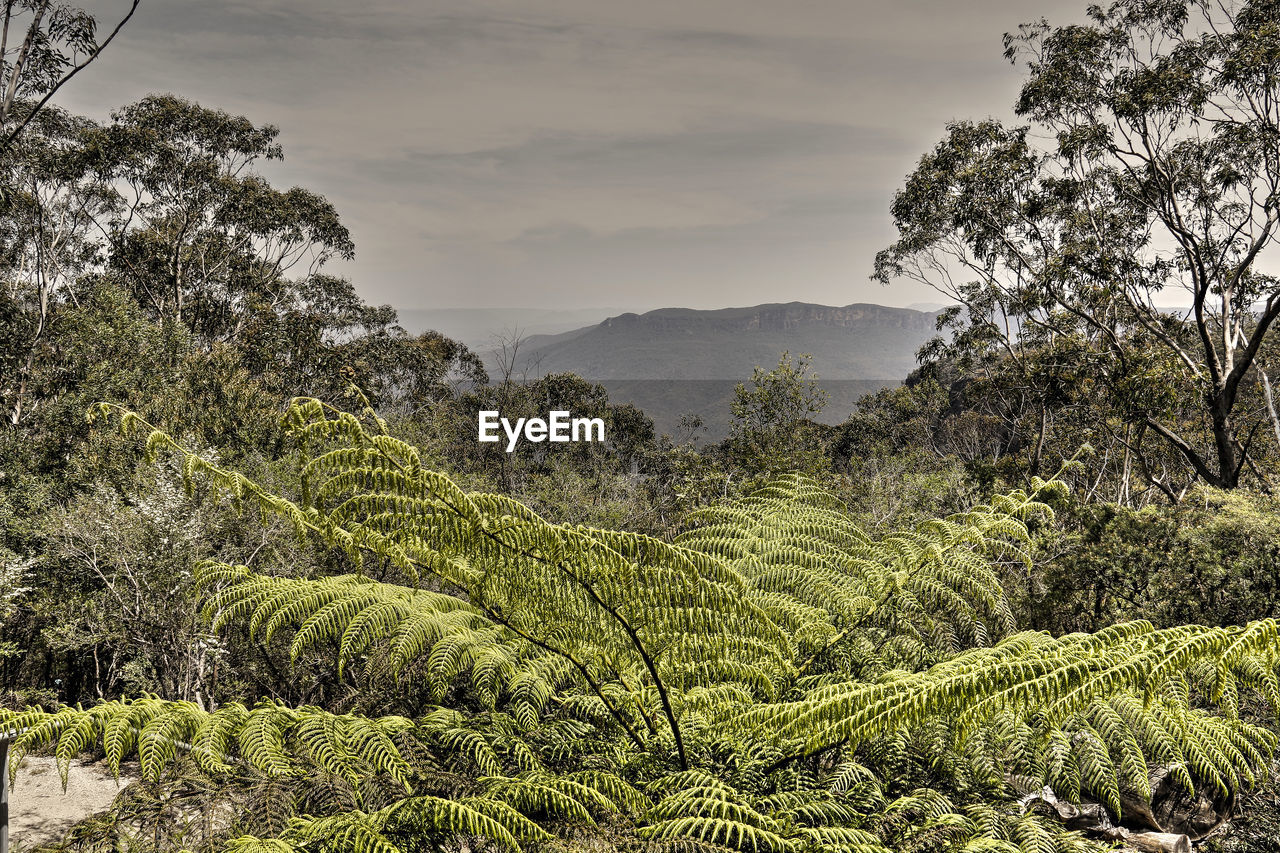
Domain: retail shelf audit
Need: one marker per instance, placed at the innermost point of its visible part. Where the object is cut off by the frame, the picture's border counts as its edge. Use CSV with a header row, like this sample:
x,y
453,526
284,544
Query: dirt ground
x,y
40,812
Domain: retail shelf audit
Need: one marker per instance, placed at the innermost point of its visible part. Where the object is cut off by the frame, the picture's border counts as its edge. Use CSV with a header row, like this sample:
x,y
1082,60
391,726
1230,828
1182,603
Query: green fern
x,y
751,686
821,577
270,738
406,625
604,601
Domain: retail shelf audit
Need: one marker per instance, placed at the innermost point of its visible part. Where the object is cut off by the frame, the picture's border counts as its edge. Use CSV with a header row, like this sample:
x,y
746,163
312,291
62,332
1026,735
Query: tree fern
x,y
270,738
605,601
816,573
1085,710
500,815
406,625
757,684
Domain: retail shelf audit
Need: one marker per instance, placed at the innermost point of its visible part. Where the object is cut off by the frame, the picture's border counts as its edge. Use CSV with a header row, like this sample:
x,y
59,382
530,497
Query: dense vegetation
x,y
1025,602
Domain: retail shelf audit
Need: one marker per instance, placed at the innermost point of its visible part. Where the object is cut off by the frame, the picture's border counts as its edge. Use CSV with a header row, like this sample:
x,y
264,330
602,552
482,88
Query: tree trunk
x,y
1224,441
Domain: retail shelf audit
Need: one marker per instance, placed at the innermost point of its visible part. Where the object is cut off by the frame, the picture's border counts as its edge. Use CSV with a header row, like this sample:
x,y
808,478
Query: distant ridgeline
x,y
675,361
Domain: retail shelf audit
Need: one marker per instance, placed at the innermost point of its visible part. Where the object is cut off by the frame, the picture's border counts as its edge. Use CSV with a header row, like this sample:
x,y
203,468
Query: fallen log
x,y
1159,842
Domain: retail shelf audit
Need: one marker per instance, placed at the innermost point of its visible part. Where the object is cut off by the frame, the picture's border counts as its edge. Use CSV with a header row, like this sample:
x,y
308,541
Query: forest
x,y
253,557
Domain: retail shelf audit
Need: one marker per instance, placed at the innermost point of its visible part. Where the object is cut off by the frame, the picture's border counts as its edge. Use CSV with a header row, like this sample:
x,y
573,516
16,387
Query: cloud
x,y
698,152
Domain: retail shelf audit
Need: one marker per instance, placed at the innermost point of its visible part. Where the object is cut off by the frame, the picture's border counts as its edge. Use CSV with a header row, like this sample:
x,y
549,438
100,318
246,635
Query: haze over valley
x,y
676,361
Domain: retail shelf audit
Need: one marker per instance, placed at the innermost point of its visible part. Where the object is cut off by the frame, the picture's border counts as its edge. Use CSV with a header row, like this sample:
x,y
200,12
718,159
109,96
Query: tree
x,y
319,338
196,234
47,246
628,431
59,43
1213,559
771,420
1160,176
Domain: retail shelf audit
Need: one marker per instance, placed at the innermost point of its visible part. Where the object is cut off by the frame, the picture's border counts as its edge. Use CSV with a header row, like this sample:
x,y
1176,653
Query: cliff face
x,y
851,342
788,316
677,360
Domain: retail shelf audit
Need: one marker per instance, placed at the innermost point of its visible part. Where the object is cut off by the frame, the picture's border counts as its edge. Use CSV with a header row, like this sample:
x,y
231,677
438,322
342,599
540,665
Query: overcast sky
x,y
587,153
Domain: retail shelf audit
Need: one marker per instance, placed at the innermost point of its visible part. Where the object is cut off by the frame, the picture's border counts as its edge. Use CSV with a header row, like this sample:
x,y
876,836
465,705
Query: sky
x,y
559,154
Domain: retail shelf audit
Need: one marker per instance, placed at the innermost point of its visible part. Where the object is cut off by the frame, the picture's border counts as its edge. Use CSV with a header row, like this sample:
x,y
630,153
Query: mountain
x,y
679,360
478,327
851,342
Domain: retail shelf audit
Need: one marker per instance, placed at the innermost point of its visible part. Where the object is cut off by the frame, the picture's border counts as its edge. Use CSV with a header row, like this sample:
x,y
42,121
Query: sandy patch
x,y
40,812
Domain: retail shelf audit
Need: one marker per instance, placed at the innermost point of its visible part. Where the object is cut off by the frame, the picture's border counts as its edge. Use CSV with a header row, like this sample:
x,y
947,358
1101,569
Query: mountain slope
x,y
675,361
858,341
479,327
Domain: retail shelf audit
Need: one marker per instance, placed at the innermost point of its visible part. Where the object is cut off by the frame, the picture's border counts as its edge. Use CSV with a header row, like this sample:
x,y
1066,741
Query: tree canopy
x,y
1131,220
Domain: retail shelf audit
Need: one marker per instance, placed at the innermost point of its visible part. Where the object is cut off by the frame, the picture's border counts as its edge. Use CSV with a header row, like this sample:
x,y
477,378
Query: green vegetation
x,y
1158,181
1027,601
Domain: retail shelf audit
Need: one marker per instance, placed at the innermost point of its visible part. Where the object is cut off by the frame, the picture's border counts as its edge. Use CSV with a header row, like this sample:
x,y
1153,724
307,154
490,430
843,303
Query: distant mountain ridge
x,y
674,361
852,342
479,327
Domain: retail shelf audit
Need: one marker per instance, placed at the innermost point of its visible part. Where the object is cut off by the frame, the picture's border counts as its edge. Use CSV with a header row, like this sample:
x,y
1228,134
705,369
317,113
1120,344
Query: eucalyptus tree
x,y
771,425
43,44
47,246
319,337
163,207
198,235
202,239
1147,174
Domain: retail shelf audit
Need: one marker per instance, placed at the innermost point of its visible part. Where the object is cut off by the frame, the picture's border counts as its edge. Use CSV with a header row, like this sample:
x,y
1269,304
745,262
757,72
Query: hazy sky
x,y
558,153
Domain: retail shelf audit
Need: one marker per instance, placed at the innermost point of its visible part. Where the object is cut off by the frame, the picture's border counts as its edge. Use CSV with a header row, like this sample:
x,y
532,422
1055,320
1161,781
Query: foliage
x,y
162,213
628,432
12,574
774,678
1212,559
311,637
1157,184
769,420
52,41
